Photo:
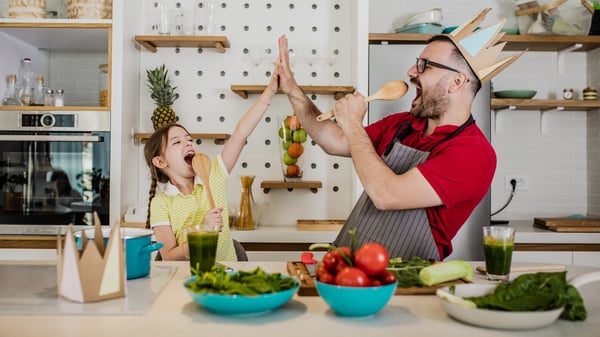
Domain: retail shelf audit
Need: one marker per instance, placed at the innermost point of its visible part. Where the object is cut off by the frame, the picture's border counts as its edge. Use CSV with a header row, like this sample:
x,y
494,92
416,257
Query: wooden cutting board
x,y
320,224
309,288
568,225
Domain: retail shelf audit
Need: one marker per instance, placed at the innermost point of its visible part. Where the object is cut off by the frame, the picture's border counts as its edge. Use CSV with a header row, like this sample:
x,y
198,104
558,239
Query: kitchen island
x,y
174,313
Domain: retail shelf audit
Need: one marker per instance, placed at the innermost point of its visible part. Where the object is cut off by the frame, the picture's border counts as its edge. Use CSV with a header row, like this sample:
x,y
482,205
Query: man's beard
x,y
433,104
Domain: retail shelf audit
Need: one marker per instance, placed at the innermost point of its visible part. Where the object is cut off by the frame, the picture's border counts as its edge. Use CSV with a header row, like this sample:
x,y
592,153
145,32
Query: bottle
x,y
10,97
103,85
38,96
59,97
26,81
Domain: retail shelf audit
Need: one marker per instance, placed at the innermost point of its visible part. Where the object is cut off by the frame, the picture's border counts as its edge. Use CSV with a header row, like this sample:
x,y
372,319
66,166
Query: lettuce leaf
x,y
536,292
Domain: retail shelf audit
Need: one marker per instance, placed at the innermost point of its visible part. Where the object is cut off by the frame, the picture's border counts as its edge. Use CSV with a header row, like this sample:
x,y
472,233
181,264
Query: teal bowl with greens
x,y
240,304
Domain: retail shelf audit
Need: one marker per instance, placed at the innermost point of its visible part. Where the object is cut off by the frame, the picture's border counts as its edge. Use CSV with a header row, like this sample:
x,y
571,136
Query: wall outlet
x,y
522,182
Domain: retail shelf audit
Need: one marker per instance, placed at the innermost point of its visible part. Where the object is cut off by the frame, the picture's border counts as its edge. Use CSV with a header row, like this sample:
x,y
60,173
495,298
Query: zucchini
x,y
446,271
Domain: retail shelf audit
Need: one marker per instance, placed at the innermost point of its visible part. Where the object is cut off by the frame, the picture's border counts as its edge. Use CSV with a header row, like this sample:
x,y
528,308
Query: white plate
x,y
508,320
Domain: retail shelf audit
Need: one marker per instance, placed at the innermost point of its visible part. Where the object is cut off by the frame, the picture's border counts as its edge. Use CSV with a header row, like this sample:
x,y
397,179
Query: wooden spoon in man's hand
x,y
389,91
201,165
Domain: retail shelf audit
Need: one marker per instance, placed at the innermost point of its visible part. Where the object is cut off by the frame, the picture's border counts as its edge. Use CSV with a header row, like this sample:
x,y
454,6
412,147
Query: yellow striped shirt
x,y
172,208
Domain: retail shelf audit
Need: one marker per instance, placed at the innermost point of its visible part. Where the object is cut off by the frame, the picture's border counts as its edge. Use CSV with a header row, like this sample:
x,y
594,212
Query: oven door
x,y
54,178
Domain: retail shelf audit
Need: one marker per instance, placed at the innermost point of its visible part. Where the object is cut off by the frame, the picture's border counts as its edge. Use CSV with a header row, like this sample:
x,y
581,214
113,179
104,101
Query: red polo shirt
x,y
459,169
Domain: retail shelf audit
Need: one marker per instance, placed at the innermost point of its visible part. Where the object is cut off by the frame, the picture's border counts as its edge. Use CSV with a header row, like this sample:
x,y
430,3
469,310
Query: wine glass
x,y
253,55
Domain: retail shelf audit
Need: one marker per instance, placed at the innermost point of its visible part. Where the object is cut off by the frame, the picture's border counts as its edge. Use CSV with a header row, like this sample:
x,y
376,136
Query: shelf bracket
x,y
220,47
561,57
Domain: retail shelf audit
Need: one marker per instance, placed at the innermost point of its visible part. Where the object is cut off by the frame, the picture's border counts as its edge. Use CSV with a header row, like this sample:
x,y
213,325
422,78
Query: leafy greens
x,y
246,283
536,292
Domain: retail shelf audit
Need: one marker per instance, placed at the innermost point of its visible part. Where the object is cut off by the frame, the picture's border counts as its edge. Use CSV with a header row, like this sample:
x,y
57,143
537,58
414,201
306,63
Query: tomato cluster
x,y
364,267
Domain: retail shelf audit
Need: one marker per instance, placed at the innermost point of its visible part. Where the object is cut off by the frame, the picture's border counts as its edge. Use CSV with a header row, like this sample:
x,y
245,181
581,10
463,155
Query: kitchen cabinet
x,y
55,36
532,43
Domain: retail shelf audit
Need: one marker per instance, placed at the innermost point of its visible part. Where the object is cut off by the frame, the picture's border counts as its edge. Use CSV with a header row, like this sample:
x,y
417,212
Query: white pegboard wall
x,y
206,103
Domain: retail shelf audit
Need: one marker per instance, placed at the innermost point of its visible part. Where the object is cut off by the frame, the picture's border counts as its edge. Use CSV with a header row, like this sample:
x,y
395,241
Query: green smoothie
x,y
498,255
203,250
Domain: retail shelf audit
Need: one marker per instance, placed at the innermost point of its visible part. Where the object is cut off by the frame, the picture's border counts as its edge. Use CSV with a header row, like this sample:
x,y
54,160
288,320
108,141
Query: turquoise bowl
x,y
242,305
356,301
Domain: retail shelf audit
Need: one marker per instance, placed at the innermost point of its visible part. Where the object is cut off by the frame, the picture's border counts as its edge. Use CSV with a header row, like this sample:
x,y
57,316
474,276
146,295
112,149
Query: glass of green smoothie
x,y
202,241
498,245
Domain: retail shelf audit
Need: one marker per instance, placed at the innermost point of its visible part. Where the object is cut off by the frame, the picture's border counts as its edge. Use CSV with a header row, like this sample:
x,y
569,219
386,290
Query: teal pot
x,y
138,247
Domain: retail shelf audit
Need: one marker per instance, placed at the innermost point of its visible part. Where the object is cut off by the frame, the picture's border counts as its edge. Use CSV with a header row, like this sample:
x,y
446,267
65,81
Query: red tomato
x,y
351,277
336,259
327,278
387,277
372,258
375,282
330,261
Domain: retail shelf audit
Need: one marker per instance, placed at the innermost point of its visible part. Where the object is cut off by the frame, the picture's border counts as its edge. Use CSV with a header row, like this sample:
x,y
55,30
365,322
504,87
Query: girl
x,y
169,152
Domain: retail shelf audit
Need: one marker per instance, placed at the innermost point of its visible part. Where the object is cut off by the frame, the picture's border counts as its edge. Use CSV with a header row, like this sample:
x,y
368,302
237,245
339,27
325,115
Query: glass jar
x,y
49,97
59,97
103,81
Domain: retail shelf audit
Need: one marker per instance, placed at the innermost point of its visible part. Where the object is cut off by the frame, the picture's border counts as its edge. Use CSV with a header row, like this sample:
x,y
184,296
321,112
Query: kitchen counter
x,y
525,233
174,313
288,238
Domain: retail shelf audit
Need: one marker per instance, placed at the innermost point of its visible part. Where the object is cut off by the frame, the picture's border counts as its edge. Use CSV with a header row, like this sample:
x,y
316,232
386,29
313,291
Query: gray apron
x,y
405,233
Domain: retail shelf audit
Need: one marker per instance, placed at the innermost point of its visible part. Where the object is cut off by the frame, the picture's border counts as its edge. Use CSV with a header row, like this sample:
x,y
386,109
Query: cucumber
x,y
446,271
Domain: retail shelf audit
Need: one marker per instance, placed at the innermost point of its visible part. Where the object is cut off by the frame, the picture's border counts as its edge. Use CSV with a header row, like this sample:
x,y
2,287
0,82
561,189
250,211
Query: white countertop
x,y
174,313
525,233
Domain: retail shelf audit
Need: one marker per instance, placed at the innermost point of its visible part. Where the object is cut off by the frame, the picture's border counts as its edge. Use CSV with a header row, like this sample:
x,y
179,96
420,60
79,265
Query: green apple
x,y
299,136
288,160
286,144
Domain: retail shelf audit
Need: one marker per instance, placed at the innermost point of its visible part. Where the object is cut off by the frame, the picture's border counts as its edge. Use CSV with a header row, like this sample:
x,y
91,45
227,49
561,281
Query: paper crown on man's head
x,y
479,48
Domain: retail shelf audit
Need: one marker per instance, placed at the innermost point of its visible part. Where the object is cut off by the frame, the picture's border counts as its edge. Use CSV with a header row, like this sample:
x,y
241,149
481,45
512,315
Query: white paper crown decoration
x,y
94,274
479,48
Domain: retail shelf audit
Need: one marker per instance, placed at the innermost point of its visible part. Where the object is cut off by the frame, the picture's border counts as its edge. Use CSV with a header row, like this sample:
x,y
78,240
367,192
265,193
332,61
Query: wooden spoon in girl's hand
x,y
201,165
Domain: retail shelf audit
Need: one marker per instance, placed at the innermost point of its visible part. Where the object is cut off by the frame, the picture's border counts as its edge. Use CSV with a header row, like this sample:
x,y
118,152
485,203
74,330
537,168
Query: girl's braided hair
x,y
155,147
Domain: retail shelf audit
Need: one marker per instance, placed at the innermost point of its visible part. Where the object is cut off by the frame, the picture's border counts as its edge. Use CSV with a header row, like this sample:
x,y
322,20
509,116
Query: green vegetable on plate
x,y
246,283
446,271
535,292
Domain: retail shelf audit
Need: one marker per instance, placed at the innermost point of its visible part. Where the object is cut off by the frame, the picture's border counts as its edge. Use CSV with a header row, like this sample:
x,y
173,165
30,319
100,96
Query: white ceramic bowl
x,y
433,15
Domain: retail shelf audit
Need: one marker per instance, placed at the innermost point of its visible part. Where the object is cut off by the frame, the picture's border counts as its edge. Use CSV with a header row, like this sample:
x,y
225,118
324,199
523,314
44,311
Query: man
x,y
423,171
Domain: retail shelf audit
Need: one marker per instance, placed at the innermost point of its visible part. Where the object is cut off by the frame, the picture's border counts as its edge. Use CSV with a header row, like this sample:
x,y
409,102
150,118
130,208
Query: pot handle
x,y
151,248
581,280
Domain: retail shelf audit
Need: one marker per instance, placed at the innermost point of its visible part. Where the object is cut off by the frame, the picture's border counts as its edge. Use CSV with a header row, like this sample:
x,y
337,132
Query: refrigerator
x,y
391,62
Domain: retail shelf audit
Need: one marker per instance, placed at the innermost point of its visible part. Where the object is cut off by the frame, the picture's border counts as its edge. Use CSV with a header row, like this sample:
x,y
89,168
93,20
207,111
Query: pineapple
x,y
163,94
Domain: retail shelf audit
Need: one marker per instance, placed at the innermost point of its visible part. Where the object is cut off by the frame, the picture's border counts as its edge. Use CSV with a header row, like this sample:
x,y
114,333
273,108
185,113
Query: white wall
x,y
550,149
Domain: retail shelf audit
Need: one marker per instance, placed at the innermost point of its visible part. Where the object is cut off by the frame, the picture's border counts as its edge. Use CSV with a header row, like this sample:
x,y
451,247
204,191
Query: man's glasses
x,y
422,63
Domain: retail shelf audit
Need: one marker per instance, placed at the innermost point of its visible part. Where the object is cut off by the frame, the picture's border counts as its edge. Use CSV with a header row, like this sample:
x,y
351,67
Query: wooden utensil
x,y
201,165
389,91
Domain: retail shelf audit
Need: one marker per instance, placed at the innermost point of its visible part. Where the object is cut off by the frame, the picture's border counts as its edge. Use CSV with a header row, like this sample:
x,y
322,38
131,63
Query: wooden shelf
x,y
53,108
335,90
59,36
544,104
153,42
313,185
514,42
219,138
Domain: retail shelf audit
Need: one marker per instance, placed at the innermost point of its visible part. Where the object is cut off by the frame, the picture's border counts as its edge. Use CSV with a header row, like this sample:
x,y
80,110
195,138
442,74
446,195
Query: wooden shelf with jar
x,y
313,185
336,90
531,42
219,138
153,42
544,104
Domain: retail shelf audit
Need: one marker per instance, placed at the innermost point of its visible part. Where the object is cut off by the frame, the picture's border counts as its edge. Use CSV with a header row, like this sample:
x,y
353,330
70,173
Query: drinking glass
x,y
202,241
498,245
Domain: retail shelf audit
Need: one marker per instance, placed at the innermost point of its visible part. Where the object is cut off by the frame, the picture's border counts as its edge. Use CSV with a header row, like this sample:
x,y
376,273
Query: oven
x,y
54,168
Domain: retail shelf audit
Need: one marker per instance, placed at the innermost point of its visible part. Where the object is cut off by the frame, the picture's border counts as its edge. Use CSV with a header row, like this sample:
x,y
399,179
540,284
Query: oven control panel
x,y
47,120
